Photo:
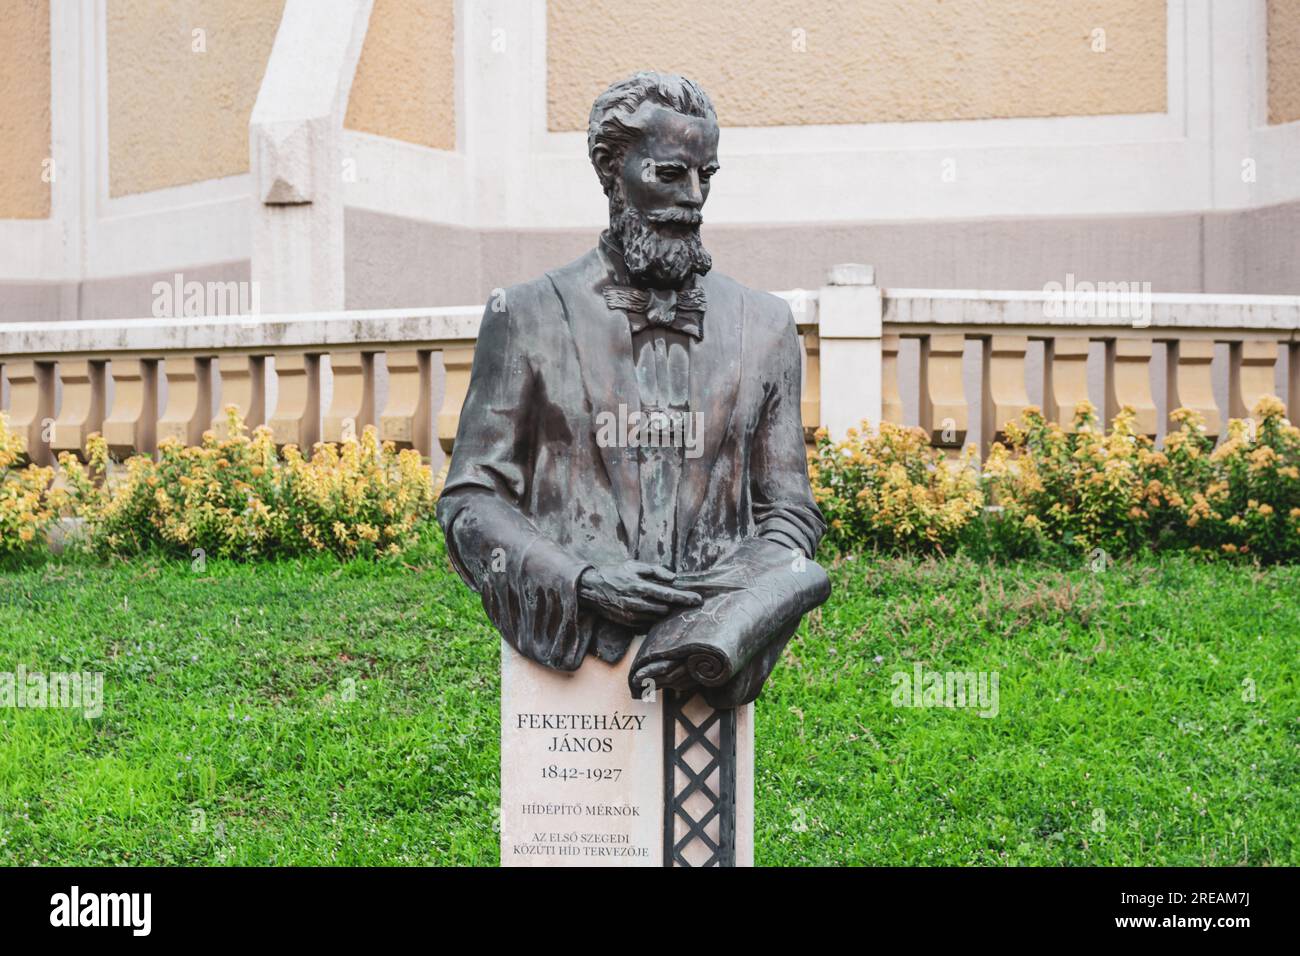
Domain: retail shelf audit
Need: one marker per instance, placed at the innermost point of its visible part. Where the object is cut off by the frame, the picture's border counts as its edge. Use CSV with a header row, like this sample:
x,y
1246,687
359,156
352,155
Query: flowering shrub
x,y
1080,488
1251,502
1086,489
27,504
238,497
892,490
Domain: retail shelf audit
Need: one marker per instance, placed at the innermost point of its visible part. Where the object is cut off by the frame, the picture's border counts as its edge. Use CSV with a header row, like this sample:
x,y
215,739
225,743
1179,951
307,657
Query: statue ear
x,y
606,163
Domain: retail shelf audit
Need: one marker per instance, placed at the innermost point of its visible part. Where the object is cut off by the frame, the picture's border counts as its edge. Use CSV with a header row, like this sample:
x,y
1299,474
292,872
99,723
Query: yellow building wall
x,y
1283,61
179,101
784,62
405,84
25,109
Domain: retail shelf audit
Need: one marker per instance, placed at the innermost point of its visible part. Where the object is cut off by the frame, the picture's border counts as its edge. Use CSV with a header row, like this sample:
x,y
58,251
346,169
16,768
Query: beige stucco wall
x,y
1283,61
25,109
175,115
865,60
405,85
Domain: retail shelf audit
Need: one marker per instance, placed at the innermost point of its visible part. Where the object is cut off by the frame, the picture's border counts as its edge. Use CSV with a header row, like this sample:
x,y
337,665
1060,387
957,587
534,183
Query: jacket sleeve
x,y
529,584
784,509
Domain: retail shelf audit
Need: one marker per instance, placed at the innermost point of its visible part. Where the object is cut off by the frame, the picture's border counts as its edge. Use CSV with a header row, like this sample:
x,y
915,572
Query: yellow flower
x,y
1270,406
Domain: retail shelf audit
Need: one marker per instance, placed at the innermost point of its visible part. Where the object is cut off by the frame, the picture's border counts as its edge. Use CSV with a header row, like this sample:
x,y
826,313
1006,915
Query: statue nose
x,y
694,196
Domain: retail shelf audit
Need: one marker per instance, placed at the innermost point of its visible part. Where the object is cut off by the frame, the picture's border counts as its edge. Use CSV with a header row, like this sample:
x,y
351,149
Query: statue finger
x,y
641,606
654,571
659,592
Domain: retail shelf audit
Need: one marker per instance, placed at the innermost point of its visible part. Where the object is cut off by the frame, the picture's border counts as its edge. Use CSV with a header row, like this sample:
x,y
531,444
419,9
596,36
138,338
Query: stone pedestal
x,y
592,777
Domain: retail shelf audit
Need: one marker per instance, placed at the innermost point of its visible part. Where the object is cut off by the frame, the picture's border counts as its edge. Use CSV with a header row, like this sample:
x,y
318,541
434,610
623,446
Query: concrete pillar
x,y
850,312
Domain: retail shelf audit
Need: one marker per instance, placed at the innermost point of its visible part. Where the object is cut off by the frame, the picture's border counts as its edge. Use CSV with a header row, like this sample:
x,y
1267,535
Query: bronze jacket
x,y
532,499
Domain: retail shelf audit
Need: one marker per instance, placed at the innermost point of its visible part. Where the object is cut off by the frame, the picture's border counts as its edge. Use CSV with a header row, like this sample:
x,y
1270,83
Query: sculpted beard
x,y
654,260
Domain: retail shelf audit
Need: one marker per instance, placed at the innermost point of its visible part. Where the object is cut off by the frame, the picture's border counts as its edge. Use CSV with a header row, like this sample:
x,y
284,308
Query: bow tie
x,y
683,311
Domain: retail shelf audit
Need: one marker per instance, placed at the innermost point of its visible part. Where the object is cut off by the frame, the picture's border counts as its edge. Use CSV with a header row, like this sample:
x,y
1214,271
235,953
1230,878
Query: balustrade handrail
x,y
1159,310
958,362
356,329
459,324
1188,298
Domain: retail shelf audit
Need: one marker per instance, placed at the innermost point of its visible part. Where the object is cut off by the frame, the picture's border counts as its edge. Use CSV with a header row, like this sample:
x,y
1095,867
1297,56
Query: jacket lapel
x,y
716,361
604,343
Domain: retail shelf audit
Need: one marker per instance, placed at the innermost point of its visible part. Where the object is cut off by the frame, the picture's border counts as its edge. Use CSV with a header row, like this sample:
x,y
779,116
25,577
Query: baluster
x,y
31,406
948,410
82,409
1133,371
1069,377
407,419
352,406
189,399
1008,369
296,420
131,425
456,364
1258,360
243,384
1193,384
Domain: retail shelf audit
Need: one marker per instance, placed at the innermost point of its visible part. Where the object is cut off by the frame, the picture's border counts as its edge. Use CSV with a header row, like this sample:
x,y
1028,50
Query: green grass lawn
x,y
319,713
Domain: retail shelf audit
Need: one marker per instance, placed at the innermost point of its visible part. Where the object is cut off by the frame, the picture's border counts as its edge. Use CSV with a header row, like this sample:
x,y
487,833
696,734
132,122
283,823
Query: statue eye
x,y
668,174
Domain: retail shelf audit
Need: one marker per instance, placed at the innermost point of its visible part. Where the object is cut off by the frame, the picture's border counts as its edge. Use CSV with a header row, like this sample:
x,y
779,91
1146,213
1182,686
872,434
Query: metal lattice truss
x,y
699,783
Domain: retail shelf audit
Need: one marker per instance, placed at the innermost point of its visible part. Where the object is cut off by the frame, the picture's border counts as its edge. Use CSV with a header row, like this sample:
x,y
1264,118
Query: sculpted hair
x,y
611,115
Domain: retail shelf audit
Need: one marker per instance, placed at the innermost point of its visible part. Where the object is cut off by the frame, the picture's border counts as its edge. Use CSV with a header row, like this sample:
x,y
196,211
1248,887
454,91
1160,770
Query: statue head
x,y
653,139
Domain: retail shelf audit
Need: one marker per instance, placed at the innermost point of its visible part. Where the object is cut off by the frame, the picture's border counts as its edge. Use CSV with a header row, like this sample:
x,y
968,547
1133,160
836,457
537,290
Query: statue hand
x,y
633,593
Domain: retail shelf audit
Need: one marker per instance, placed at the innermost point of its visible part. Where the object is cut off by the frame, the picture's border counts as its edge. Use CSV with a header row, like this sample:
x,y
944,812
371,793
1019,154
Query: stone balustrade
x,y
307,377
963,364
960,364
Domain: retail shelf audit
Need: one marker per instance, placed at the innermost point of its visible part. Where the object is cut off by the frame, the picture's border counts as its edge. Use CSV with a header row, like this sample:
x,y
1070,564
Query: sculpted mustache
x,y
685,217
